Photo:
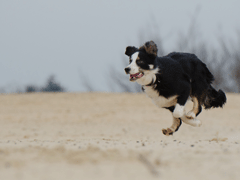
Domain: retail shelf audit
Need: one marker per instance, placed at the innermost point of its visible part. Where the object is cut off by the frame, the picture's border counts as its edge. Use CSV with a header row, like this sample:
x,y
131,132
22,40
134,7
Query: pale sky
x,y
41,38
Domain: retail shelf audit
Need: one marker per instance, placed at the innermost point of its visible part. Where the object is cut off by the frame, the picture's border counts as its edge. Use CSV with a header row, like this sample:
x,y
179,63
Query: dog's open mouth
x,y
136,76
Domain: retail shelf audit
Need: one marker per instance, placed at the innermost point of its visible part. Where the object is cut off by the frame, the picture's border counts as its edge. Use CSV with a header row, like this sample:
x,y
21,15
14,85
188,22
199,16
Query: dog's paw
x,y
178,111
193,122
191,115
167,131
198,123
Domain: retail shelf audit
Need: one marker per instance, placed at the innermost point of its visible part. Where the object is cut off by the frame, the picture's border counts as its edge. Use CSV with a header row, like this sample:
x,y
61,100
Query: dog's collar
x,y
153,83
150,84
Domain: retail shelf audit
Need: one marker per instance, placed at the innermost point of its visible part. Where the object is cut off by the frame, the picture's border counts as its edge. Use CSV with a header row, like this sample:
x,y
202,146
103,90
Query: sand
x,y
103,136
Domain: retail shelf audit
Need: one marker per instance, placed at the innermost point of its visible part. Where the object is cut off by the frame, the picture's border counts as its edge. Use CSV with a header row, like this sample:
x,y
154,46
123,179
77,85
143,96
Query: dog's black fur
x,y
180,74
184,74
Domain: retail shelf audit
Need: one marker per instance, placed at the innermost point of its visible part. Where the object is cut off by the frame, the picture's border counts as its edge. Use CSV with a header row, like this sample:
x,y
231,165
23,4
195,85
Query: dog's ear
x,y
150,47
130,50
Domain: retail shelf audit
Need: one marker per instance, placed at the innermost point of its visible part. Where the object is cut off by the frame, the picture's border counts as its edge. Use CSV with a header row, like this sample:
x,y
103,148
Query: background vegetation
x,y
222,60
50,86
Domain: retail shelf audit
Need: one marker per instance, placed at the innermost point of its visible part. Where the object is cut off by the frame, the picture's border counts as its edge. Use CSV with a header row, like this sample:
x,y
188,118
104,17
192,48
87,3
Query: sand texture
x,y
101,136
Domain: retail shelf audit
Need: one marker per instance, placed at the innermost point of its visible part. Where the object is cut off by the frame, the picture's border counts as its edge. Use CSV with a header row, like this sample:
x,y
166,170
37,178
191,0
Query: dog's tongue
x,y
134,75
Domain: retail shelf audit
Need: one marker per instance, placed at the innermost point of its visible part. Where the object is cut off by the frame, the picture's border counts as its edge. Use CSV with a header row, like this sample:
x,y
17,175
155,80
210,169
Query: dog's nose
x,y
127,70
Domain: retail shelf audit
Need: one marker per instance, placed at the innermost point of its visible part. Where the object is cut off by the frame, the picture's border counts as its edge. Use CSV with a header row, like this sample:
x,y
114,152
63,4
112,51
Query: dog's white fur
x,y
193,122
160,101
178,111
133,65
148,77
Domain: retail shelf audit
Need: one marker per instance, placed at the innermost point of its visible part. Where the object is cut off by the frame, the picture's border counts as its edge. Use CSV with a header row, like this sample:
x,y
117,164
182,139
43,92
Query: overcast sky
x,y
64,38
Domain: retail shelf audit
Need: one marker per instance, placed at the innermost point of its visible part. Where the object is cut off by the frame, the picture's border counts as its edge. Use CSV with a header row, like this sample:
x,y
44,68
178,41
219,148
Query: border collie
x,y
170,81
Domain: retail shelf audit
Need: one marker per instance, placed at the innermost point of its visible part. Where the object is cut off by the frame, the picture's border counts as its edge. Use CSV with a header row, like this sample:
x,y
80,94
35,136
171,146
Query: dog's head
x,y
141,61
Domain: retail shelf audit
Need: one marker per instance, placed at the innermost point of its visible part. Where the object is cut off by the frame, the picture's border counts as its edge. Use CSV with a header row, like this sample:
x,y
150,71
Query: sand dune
x,y
113,136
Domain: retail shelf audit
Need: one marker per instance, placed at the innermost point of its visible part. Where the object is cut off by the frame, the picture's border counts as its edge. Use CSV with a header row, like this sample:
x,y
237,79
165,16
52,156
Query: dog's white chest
x,y
160,101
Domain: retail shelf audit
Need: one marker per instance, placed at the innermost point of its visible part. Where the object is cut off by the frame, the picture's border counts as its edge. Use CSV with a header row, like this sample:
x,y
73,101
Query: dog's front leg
x,y
179,109
175,126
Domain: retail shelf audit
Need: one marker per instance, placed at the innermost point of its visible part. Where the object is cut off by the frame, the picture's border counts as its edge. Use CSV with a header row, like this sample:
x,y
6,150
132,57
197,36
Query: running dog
x,y
170,81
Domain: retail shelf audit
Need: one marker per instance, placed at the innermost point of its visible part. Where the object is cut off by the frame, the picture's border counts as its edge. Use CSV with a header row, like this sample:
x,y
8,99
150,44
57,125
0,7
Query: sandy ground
x,y
87,136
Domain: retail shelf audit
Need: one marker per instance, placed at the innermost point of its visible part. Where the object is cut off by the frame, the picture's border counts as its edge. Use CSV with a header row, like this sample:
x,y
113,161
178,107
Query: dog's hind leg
x,y
190,117
193,122
196,109
175,126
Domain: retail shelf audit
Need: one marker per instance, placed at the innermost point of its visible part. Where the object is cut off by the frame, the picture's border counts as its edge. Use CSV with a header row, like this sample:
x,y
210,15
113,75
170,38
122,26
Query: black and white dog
x,y
172,80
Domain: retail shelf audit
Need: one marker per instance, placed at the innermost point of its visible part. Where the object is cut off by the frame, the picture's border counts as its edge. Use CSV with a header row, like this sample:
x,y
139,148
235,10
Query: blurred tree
x,y
86,82
52,85
31,88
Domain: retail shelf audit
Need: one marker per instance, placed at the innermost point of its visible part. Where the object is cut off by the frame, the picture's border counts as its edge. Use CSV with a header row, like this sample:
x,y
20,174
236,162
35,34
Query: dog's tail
x,y
214,98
